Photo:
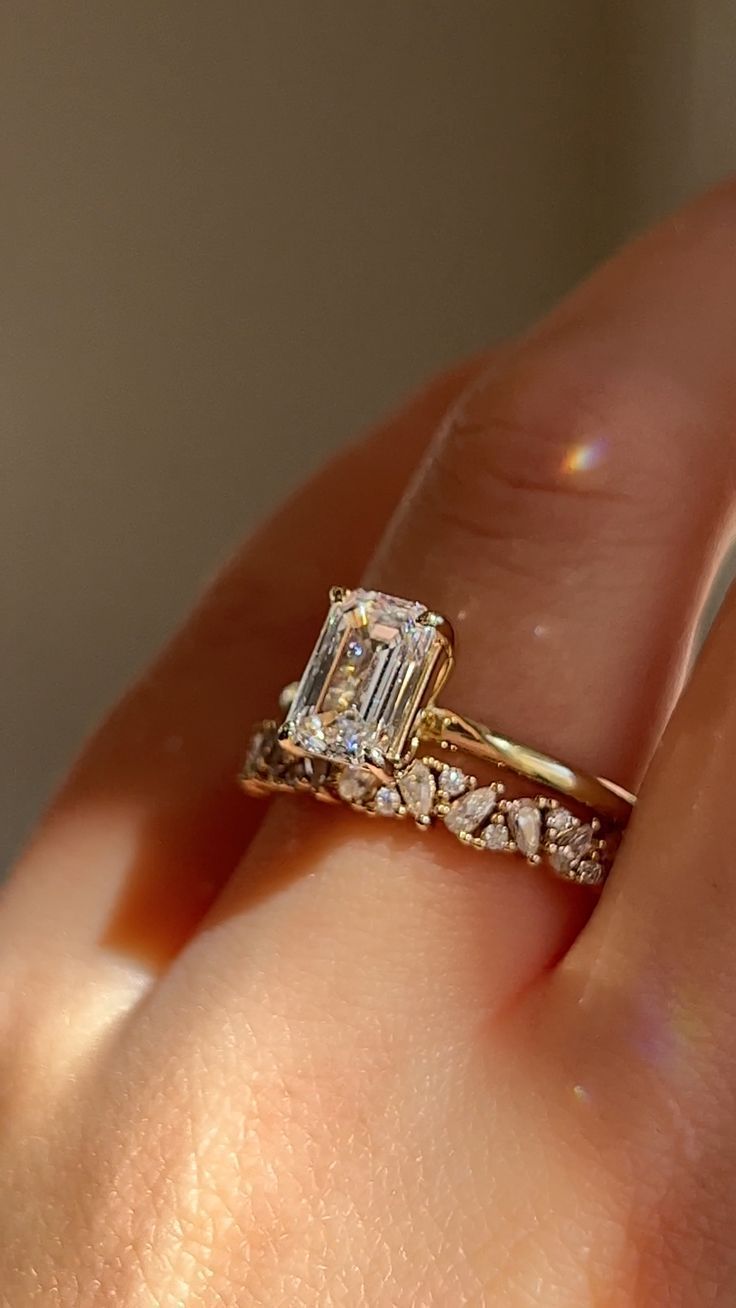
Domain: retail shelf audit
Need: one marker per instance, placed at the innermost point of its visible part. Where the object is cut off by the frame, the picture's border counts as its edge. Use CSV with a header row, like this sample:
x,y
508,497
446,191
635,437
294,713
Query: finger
x,y
565,522
667,935
646,995
151,821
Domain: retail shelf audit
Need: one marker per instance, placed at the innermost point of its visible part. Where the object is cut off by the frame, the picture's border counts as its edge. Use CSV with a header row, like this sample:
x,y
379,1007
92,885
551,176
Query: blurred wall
x,y
234,233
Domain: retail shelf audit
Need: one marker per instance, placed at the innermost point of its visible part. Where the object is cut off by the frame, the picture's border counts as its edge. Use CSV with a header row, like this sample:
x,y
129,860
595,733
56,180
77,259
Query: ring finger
x,y
567,521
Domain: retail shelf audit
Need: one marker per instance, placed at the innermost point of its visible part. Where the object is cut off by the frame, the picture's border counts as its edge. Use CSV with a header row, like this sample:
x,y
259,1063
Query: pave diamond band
x,y
358,722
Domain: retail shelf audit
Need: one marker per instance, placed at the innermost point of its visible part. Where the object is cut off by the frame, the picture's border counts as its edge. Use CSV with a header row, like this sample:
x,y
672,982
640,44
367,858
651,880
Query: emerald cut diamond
x,y
376,663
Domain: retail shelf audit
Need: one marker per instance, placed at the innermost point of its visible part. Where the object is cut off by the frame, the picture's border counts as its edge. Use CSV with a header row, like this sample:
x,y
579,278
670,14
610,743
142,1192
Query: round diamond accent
x,y
387,801
590,873
496,836
348,735
356,785
452,782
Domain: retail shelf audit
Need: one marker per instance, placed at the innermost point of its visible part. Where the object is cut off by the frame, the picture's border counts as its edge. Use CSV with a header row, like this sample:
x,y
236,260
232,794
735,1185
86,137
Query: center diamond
x,y
375,663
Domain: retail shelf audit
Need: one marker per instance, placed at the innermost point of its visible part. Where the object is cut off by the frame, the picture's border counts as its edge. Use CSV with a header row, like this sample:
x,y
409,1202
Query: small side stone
x,y
452,782
315,771
418,787
496,836
562,860
466,814
387,801
310,734
558,821
525,821
356,785
580,841
590,873
254,757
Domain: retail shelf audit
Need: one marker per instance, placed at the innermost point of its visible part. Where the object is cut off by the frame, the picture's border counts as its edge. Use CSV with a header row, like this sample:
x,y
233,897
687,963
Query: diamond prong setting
x,y
375,665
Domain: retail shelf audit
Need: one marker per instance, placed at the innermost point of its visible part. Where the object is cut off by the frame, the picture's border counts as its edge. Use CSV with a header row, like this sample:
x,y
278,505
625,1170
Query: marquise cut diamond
x,y
559,820
580,841
572,845
466,814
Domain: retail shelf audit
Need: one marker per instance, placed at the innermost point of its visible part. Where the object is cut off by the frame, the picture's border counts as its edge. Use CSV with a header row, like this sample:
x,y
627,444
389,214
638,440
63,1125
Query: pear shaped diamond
x,y
467,813
417,786
525,821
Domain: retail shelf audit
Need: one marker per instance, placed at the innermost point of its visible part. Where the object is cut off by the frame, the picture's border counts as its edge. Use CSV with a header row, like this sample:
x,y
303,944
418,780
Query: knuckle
x,y
546,447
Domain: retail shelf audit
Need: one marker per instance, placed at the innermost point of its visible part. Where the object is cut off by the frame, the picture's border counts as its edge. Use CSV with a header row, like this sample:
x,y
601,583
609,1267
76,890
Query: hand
x,y
316,1060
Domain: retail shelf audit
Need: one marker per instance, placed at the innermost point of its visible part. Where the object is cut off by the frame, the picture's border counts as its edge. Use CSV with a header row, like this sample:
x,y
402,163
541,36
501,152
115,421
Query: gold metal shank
x,y
474,738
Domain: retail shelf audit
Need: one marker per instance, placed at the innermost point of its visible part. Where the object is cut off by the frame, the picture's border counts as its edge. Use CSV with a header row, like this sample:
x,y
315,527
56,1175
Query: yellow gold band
x,y
604,797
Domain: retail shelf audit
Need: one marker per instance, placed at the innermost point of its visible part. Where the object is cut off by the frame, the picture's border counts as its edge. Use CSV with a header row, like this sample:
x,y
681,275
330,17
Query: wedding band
x,y
357,724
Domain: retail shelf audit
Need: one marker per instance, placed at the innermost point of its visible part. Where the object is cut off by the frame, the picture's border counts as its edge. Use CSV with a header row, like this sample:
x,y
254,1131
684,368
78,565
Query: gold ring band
x,y
461,733
357,724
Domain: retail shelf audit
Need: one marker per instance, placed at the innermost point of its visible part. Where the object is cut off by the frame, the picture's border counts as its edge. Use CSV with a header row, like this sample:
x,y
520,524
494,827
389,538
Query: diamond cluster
x,y
433,791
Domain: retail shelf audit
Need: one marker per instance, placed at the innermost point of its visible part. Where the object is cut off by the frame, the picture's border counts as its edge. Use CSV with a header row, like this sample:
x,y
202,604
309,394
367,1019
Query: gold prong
x,y
338,594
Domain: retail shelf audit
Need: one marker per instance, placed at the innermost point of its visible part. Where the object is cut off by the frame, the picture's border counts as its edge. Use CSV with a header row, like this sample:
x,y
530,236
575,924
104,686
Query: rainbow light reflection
x,y
584,456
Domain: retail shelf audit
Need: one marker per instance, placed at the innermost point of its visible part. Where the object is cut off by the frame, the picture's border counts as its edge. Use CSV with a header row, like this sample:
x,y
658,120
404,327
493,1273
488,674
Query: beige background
x,y
233,233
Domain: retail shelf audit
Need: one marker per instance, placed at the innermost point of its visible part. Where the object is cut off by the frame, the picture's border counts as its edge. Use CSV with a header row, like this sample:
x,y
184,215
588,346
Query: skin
x,y
288,1058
